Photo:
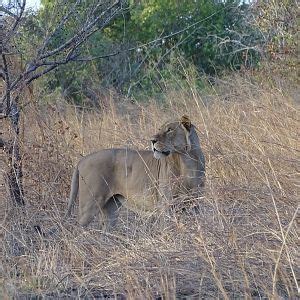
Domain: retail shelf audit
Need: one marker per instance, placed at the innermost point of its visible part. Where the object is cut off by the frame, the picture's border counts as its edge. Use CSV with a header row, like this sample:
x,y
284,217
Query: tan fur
x,y
141,179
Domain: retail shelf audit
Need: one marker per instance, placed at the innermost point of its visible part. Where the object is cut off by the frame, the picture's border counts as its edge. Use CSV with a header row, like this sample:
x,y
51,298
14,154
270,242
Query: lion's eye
x,y
169,130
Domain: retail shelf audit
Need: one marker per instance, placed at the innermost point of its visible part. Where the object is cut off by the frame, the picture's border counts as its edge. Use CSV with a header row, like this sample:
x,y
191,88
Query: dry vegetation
x,y
242,243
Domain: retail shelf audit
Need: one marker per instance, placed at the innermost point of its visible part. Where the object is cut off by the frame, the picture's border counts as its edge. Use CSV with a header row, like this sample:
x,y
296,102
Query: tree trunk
x,y
14,175
9,108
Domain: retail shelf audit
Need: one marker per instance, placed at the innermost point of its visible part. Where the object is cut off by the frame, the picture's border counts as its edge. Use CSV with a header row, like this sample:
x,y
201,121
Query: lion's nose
x,y
153,141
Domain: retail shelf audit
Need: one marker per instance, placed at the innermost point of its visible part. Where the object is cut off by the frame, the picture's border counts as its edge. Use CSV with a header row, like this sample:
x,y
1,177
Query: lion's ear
x,y
186,122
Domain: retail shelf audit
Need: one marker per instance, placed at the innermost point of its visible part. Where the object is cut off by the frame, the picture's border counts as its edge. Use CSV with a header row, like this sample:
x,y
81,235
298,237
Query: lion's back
x,y
116,162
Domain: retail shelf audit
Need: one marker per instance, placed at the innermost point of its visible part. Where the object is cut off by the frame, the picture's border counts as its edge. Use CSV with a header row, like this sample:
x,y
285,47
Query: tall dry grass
x,y
242,243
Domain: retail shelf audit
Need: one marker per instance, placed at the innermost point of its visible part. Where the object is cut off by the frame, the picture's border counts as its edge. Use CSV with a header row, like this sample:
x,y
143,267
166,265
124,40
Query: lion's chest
x,y
140,193
142,190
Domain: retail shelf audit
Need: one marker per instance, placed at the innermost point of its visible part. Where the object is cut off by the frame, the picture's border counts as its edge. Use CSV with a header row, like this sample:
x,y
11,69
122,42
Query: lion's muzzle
x,y
158,152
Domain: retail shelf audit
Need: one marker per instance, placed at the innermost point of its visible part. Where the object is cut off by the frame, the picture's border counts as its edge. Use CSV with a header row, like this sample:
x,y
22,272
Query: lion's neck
x,y
188,167
182,164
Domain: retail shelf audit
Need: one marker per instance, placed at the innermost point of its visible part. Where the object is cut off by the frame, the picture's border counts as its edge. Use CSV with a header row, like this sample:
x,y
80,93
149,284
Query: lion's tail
x,y
73,192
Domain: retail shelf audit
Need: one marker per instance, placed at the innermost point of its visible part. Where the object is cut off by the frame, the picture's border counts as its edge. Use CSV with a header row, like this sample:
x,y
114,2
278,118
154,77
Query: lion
x,y
141,179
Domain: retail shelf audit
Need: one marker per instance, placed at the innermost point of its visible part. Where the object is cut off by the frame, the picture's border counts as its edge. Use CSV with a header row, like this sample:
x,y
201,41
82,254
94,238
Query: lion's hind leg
x,y
89,207
87,212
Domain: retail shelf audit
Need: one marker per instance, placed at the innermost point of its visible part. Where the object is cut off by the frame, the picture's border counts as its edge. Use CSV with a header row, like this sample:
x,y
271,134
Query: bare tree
x,y
49,55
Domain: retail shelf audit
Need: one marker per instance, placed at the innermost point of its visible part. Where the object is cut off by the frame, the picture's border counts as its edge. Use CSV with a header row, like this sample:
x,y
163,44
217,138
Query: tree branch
x,y
7,84
61,24
18,18
84,32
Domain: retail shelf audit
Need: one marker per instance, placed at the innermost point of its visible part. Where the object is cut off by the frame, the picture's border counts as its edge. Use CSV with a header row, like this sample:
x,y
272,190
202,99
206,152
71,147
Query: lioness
x,y
144,178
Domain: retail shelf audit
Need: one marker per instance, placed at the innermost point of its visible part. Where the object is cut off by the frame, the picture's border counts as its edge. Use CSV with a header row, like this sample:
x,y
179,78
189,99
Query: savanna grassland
x,y
241,243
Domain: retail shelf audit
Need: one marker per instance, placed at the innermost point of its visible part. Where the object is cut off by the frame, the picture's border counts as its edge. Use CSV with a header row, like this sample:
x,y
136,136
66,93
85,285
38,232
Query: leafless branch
x,y
21,5
7,83
17,16
7,12
51,59
51,66
60,25
82,35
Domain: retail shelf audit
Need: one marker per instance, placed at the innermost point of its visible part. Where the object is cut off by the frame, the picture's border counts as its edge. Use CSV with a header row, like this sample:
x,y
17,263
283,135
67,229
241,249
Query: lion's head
x,y
172,137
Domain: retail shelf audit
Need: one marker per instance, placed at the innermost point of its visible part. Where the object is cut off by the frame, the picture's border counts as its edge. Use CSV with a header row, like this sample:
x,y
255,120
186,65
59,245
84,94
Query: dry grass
x,y
242,243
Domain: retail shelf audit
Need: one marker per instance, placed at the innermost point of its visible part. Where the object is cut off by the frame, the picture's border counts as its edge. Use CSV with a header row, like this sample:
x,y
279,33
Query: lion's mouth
x,y
165,153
